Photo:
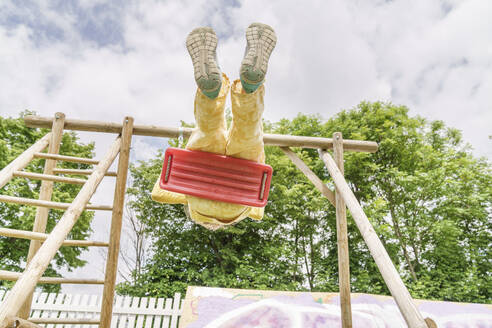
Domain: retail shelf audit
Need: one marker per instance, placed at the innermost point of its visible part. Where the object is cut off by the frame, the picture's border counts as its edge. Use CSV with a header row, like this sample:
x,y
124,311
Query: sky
x,y
104,60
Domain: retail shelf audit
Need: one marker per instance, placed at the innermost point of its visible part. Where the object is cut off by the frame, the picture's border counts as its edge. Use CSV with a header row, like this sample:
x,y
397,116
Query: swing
x,y
216,177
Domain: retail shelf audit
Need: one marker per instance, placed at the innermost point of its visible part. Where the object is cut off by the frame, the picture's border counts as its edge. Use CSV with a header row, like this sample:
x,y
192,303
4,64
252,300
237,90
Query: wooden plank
x,y
116,224
81,315
150,318
80,172
47,313
168,132
168,311
74,305
48,177
123,322
23,159
176,310
27,282
65,158
391,277
63,303
320,185
141,317
42,236
342,240
119,302
55,314
158,319
64,314
41,299
93,302
13,276
49,204
133,316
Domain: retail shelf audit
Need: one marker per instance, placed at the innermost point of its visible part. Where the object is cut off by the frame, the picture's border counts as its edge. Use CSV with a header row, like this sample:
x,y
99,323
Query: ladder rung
x,y
79,321
39,176
13,276
43,236
67,158
49,204
80,172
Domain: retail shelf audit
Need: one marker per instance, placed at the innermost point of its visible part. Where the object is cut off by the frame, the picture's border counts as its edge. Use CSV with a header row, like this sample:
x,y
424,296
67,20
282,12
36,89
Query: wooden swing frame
x,y
44,246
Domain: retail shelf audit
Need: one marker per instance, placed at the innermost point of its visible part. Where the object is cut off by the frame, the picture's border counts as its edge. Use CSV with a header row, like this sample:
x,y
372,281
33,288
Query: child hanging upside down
x,y
245,136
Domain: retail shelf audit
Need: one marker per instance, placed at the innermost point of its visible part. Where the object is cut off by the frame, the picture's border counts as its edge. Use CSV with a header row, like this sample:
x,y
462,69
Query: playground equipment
x,y
216,177
44,246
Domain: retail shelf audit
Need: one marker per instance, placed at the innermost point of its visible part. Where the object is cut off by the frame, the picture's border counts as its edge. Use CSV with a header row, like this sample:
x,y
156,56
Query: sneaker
x,y
261,40
202,44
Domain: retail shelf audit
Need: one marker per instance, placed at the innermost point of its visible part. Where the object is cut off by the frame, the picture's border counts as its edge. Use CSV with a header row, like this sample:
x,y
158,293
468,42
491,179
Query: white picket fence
x,y
128,312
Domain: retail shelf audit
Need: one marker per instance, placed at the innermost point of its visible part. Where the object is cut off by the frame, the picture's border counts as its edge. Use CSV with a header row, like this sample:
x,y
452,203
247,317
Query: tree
x,y
134,256
428,198
15,137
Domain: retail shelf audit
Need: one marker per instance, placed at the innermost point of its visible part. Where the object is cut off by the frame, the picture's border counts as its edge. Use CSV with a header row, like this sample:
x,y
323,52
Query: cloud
x,y
103,60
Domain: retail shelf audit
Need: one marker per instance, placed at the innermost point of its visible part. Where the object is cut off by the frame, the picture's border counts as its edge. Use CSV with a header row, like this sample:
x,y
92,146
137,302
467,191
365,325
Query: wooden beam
x,y
12,322
14,233
49,204
342,240
168,132
391,277
116,223
48,177
320,185
27,281
82,160
41,218
80,172
15,276
60,321
23,159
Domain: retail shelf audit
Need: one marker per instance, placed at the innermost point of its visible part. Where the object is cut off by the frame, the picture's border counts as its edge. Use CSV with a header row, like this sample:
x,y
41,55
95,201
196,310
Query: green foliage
x,y
428,198
15,137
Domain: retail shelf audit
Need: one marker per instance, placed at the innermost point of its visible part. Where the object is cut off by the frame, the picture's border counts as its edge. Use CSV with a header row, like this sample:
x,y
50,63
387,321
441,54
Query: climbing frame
x,y
44,246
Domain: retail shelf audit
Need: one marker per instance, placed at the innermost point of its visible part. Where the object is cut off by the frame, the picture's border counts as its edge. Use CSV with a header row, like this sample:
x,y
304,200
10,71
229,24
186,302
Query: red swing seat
x,y
217,177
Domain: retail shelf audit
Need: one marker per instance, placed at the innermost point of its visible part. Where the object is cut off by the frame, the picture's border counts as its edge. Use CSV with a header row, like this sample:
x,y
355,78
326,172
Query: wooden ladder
x,y
44,246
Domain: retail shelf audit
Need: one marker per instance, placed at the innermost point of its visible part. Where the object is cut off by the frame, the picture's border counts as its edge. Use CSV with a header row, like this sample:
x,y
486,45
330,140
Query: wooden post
x,y
41,218
342,238
23,159
323,189
391,277
35,269
116,223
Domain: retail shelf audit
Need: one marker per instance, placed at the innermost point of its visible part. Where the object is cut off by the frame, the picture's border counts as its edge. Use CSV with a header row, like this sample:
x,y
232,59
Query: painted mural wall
x,y
235,308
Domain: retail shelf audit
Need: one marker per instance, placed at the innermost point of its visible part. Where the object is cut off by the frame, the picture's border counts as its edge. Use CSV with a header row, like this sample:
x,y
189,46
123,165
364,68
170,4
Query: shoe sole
x,y
202,44
261,41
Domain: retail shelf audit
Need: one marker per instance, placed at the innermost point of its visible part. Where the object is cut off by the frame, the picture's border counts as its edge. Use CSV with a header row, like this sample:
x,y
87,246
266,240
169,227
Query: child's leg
x,y
210,132
245,139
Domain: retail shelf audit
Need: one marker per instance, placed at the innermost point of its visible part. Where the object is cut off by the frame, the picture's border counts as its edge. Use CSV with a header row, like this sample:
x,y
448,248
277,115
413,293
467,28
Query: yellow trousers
x,y
243,140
